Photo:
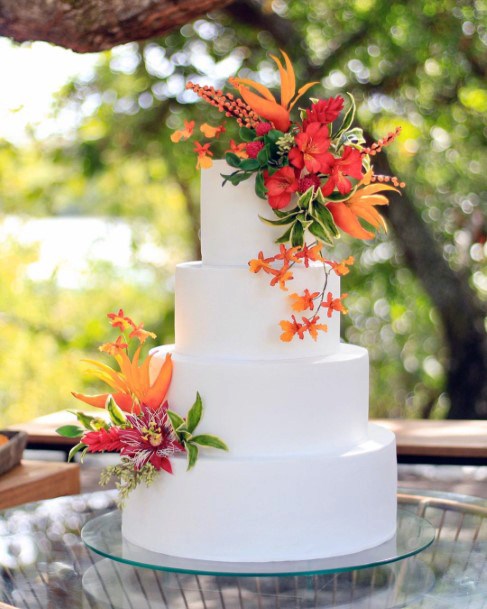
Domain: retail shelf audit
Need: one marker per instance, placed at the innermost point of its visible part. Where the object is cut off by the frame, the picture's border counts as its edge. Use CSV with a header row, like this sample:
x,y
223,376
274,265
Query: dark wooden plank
x,y
36,480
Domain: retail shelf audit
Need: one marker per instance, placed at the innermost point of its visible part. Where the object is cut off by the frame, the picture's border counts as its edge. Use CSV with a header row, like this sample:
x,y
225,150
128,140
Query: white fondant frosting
x,y
230,312
231,232
292,507
287,407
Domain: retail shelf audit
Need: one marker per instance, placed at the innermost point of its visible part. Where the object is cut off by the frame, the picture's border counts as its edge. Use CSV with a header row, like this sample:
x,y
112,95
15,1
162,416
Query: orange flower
x,y
310,253
119,320
334,304
263,102
287,255
261,264
183,134
313,327
301,303
290,329
204,155
341,268
361,205
113,348
141,334
281,276
210,132
238,149
132,385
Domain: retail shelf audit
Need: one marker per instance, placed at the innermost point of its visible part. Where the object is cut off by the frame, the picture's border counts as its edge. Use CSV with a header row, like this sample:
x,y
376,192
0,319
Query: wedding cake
x,y
306,475
298,472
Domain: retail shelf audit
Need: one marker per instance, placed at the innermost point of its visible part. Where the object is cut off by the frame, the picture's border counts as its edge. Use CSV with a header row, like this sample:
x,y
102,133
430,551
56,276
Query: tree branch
x,y
96,25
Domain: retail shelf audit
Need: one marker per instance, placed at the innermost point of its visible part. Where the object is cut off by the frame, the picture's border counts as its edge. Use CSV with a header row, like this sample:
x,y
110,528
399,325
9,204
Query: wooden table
x,y
36,480
418,441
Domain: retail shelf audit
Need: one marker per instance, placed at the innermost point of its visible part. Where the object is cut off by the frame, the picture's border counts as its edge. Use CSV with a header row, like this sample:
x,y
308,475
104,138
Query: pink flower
x,y
253,149
150,439
281,186
350,164
311,179
262,128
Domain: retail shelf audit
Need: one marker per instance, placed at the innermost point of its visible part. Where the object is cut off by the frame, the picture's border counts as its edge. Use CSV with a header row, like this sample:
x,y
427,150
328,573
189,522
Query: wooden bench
x,y
36,480
418,441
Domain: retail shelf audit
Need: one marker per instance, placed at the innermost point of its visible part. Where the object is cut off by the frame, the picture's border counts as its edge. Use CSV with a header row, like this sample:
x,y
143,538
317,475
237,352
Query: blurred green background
x,y
113,184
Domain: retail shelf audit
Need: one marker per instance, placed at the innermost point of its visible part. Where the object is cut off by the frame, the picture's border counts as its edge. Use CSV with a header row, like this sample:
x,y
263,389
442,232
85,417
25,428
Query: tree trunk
x,y
461,313
96,25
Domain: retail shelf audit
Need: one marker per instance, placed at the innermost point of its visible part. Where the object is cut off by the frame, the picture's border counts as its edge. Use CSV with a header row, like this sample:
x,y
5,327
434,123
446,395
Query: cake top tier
x,y
231,231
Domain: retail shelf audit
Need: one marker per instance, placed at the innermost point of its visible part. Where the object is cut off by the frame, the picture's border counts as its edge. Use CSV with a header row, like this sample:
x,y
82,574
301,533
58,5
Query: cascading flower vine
x,y
138,423
315,172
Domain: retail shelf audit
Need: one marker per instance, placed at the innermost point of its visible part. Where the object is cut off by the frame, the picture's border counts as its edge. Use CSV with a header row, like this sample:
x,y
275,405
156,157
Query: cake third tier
x,y
265,408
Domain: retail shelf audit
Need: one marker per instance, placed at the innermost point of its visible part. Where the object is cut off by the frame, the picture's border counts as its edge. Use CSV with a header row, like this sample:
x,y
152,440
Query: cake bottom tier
x,y
293,507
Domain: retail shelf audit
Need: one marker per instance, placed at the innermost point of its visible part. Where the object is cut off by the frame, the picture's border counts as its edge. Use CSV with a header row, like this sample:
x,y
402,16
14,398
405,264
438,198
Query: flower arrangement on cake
x,y
315,173
138,423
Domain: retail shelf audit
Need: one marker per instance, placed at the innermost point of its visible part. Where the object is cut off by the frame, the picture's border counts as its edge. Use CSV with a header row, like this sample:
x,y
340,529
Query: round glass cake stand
x,y
103,535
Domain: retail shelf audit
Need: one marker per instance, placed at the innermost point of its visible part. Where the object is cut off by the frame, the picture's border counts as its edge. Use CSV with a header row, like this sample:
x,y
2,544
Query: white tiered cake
x,y
306,476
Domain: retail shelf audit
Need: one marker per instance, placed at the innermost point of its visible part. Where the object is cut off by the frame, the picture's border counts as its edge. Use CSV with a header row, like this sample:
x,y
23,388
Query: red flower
x,y
281,186
312,149
350,164
262,128
150,439
253,149
103,440
324,111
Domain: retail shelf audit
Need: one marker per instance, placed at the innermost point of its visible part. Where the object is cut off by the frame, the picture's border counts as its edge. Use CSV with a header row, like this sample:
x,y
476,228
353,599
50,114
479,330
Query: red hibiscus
x,y
280,186
324,111
103,440
350,164
311,150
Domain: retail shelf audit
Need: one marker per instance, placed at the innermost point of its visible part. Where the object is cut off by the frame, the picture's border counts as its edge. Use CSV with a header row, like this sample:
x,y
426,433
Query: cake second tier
x,y
229,312
263,408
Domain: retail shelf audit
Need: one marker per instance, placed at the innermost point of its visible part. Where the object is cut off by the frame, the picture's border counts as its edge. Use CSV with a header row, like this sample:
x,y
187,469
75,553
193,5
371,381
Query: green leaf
x,y
306,198
318,231
297,235
246,134
272,136
249,164
281,222
285,237
176,420
263,156
70,431
84,419
76,449
260,189
236,177
349,116
323,215
232,159
192,455
194,415
117,417
208,440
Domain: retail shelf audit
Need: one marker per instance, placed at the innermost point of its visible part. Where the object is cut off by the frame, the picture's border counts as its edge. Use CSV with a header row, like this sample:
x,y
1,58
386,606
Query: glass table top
x,y
103,535
44,564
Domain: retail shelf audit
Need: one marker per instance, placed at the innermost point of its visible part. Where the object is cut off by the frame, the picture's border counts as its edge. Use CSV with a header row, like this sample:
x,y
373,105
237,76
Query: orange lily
x,y
361,204
133,386
263,102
